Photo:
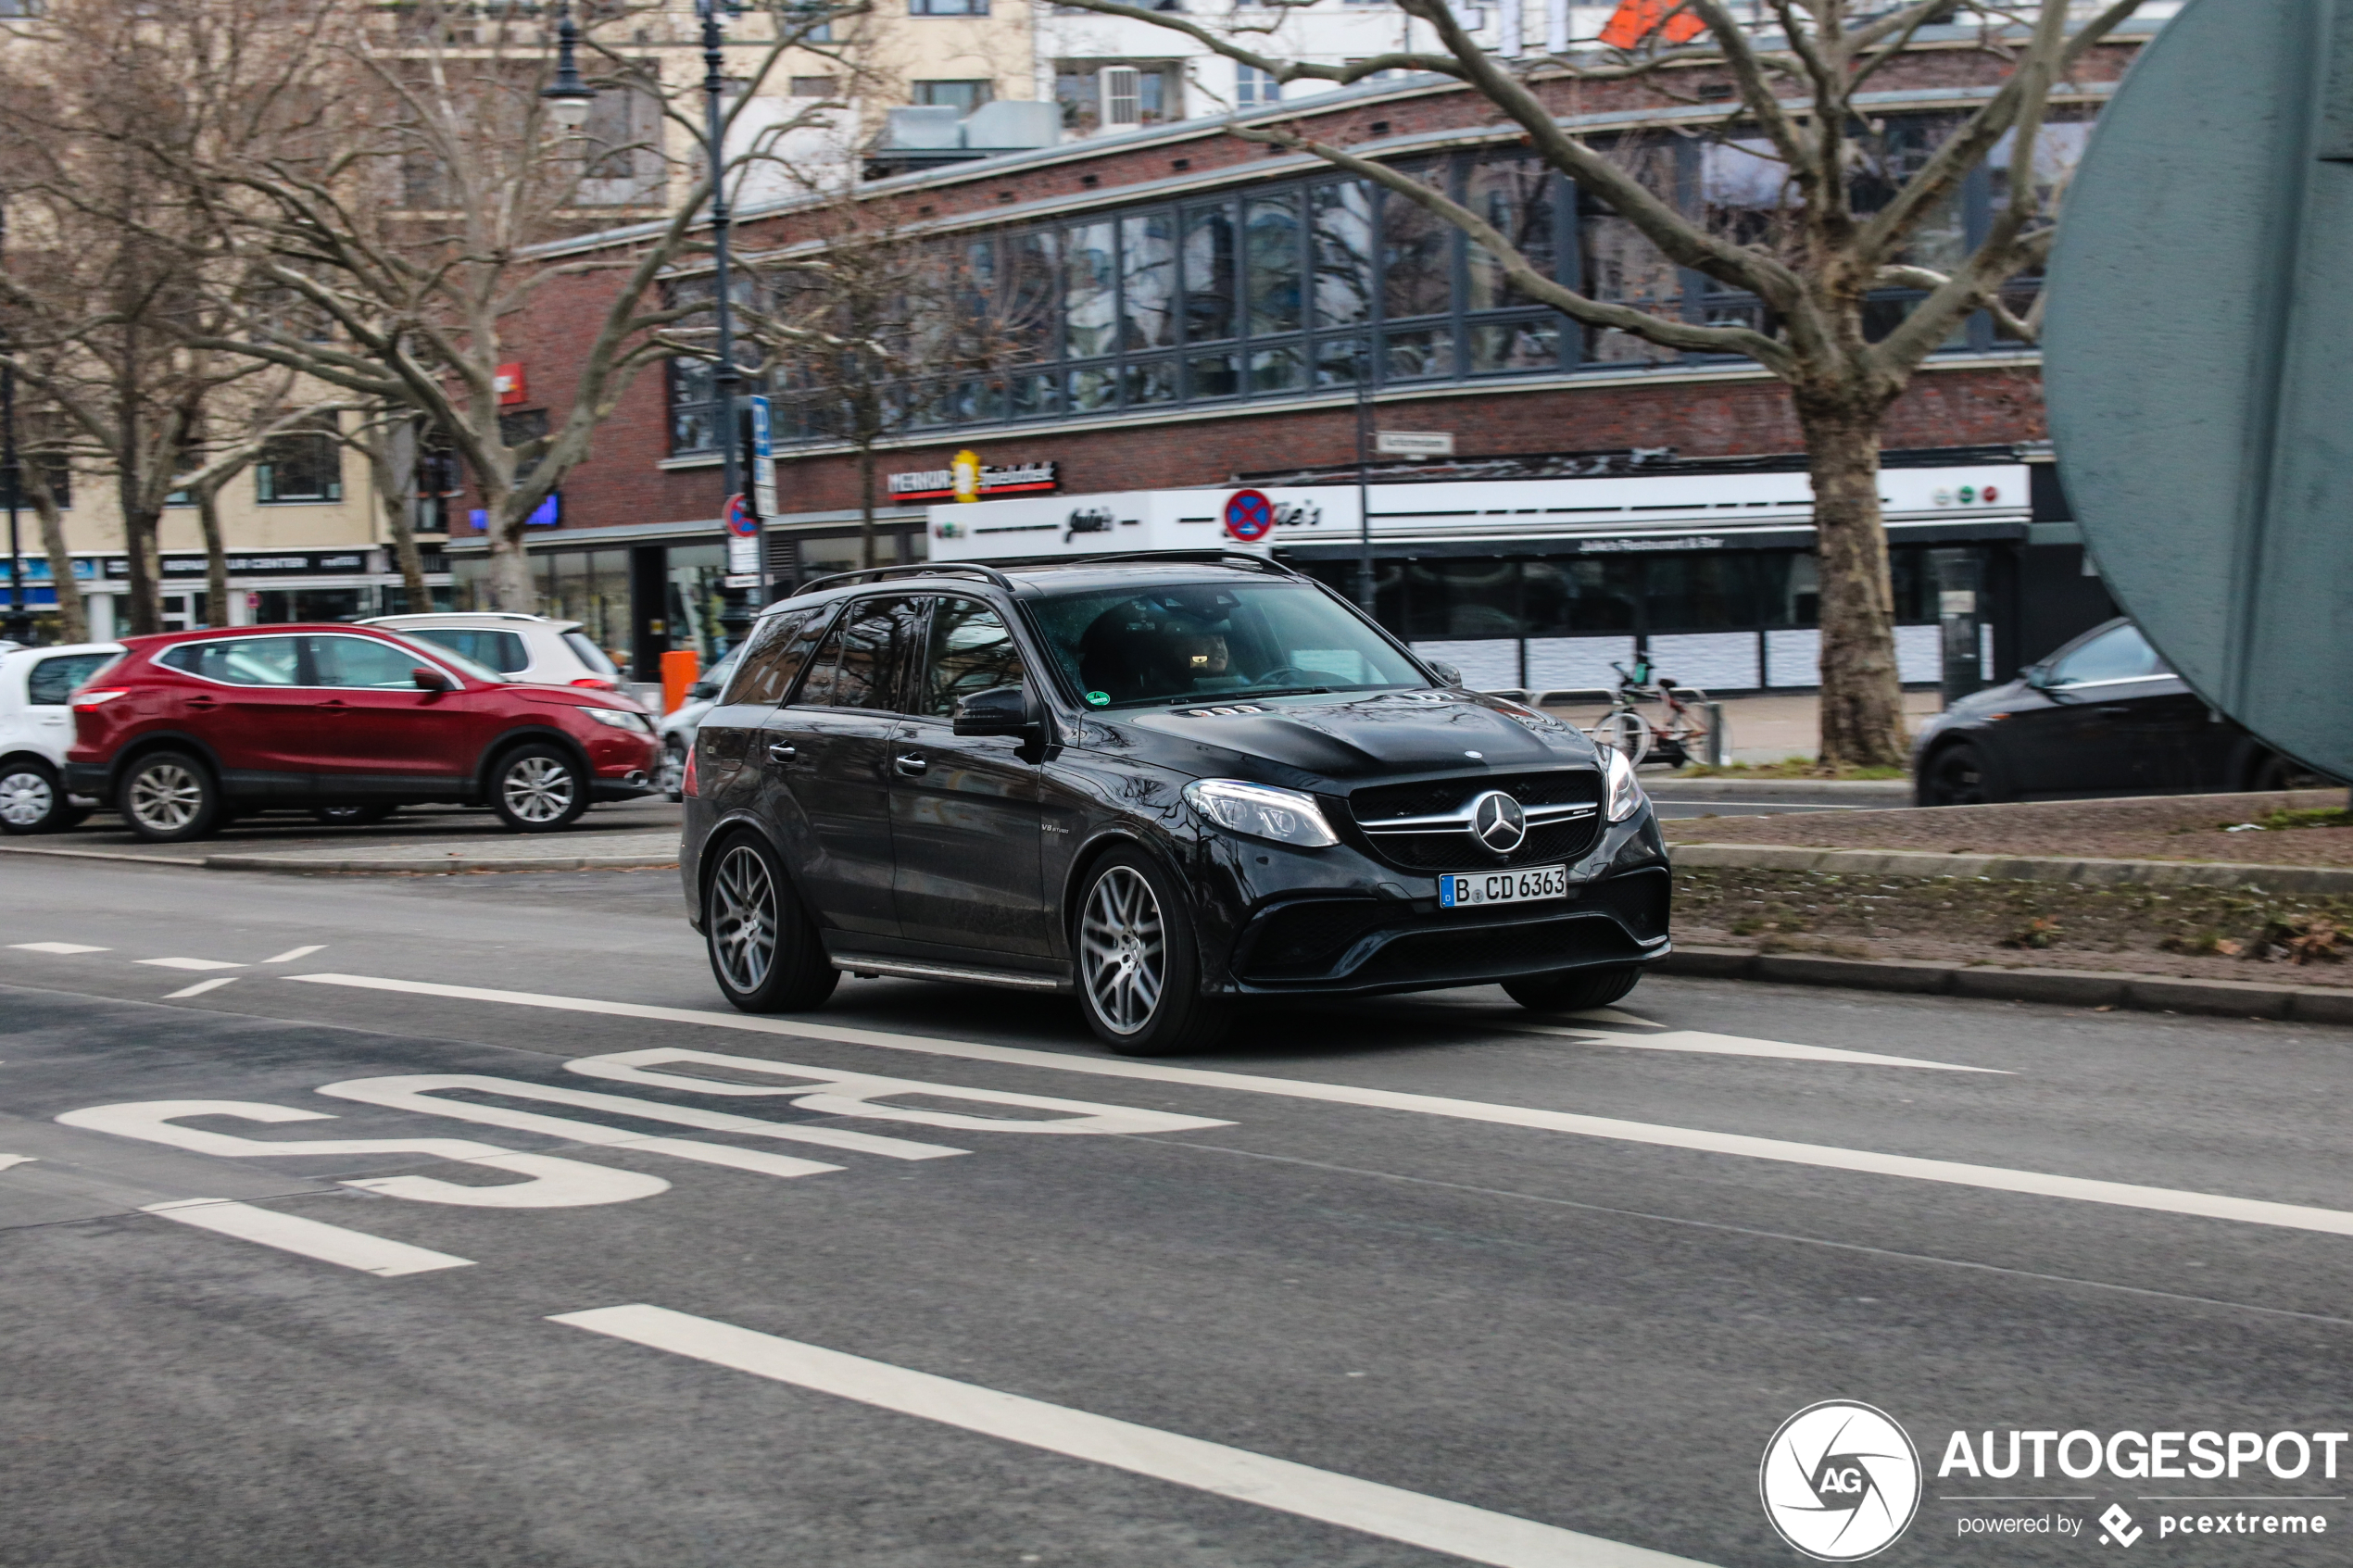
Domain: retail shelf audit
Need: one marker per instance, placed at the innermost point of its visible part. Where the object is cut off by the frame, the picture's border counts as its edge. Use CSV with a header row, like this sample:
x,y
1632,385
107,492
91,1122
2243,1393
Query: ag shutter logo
x,y
1841,1481
2120,1530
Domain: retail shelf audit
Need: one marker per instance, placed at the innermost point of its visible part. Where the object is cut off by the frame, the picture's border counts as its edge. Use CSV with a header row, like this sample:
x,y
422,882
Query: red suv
x,y
191,728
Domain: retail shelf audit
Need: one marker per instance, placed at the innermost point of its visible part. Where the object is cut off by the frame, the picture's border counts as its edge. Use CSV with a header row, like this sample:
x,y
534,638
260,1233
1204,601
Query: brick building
x,y
1206,312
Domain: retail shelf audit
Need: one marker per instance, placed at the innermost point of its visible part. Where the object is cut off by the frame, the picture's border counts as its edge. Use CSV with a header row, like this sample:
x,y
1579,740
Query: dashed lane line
x,y
58,947
1456,1529
293,953
199,988
190,963
310,1239
1991,1178
1700,1042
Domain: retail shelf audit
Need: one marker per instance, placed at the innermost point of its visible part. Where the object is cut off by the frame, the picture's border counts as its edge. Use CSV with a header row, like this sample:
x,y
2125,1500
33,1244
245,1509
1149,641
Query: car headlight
x,y
1262,811
1626,795
620,719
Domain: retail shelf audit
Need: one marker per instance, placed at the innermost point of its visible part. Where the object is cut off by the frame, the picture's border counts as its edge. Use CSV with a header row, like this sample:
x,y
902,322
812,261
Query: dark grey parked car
x,y
1165,784
2104,715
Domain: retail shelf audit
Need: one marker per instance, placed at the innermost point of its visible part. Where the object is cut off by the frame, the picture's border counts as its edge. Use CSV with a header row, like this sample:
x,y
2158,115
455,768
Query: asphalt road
x,y
1416,1282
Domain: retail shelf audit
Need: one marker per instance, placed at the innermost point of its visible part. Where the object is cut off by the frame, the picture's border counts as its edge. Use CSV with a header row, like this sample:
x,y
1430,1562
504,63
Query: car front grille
x,y
1571,799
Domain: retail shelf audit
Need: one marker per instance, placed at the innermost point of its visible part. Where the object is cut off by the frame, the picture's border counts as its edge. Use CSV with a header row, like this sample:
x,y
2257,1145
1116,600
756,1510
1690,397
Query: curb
x,y
287,865
2057,987
2009,868
1899,790
191,862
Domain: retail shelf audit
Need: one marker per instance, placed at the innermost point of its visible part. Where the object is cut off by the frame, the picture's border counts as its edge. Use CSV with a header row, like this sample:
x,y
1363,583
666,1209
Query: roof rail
x,y
878,573
1204,556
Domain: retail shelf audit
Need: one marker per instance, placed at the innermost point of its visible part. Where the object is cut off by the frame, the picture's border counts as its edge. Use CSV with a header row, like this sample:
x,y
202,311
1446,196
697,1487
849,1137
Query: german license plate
x,y
1529,885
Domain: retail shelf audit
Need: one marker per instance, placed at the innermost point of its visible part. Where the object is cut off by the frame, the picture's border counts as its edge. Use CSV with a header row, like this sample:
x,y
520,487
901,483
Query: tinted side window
x,y
362,661
240,661
52,680
971,651
2120,654
766,672
502,651
857,666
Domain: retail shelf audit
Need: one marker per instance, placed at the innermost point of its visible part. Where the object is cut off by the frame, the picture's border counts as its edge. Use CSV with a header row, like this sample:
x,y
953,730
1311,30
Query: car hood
x,y
1336,743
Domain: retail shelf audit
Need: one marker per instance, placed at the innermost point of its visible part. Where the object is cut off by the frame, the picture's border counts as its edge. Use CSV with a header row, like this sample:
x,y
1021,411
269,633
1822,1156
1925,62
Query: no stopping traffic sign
x,y
1250,516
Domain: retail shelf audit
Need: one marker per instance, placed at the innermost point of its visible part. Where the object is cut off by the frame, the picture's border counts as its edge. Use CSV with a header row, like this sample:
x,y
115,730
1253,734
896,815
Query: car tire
x,y
1139,962
32,799
673,771
1955,775
169,798
2276,774
764,946
538,788
366,816
1573,991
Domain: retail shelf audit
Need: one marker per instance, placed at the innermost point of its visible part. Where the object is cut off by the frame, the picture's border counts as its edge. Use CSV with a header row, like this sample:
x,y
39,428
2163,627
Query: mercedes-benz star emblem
x,y
1498,821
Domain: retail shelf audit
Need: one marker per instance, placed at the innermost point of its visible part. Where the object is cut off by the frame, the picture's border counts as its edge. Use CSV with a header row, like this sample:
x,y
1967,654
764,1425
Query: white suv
x,y
521,648
36,726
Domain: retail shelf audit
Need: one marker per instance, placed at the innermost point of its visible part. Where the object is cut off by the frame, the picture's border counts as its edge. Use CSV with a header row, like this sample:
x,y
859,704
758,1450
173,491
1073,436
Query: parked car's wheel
x,y
354,816
168,797
1140,963
33,799
1955,776
672,779
1575,990
764,946
538,788
2277,773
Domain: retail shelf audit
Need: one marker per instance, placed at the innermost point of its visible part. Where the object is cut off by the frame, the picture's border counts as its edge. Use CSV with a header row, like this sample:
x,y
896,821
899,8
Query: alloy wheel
x,y
1123,950
538,789
743,918
166,797
25,799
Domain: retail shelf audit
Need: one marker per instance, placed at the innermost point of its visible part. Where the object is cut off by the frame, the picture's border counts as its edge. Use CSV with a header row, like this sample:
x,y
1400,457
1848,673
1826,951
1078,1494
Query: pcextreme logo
x,y
1841,1481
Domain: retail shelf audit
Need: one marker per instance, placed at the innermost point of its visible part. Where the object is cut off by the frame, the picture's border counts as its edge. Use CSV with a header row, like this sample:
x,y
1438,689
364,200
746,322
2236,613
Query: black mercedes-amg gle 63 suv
x,y
1168,784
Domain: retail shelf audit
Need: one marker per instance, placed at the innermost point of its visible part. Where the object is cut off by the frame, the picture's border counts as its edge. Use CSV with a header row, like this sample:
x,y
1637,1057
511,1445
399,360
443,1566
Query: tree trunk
x,y
511,568
216,557
396,497
866,506
73,619
1862,703
139,528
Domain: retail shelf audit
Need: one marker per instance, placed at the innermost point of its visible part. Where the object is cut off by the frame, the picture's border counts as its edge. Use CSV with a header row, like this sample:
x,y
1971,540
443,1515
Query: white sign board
x,y
1413,443
763,460
743,556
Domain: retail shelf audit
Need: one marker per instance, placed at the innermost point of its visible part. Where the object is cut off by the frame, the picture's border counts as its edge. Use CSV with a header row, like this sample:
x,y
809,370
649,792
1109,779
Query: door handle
x,y
202,702
780,752
912,763
2113,710
335,705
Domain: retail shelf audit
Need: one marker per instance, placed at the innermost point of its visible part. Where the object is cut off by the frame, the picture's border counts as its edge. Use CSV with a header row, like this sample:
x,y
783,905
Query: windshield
x,y
439,653
1199,640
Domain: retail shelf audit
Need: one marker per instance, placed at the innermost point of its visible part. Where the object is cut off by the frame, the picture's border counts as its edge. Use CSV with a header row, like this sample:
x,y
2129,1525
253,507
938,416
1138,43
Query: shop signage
x,y
1646,542
1413,443
508,382
940,484
548,513
290,563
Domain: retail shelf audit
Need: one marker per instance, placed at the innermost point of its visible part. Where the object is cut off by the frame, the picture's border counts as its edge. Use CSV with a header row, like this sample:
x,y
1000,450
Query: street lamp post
x,y
726,381
568,97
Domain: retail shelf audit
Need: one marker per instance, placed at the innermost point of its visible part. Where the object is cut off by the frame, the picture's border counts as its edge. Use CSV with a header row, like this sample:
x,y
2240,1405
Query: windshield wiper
x,y
1242,694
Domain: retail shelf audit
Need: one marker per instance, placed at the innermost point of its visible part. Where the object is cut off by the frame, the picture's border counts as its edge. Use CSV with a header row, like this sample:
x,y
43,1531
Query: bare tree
x,y
423,210
42,459
1844,227
388,438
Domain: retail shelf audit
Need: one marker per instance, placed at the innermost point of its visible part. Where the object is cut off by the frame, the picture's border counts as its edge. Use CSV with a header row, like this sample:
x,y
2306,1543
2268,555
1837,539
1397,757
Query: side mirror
x,y
1446,671
431,680
702,691
2038,676
1001,711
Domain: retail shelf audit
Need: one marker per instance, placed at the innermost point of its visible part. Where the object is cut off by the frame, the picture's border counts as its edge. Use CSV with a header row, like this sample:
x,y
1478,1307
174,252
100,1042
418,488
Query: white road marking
x,y
293,953
57,947
1991,1178
191,964
1456,1529
1705,1044
1611,1015
200,987
554,1182
837,1092
311,1238
8,1161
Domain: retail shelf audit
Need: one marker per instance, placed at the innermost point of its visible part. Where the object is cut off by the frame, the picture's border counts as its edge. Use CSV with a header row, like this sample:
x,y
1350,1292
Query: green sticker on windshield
x,y
1099,699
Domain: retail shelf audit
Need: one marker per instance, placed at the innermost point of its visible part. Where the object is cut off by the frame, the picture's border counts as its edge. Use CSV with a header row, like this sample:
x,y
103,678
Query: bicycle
x,y
1678,733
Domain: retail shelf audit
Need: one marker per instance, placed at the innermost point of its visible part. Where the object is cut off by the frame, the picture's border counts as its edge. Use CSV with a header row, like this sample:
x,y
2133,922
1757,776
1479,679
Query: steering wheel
x,y
1292,675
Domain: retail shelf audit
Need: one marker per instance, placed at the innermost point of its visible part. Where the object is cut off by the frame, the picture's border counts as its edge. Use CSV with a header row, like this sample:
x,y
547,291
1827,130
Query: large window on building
x,y
301,465
1295,287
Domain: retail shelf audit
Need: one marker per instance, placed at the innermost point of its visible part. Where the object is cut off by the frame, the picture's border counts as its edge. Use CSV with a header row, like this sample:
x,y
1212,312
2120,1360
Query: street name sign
x,y
1413,443
2198,361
